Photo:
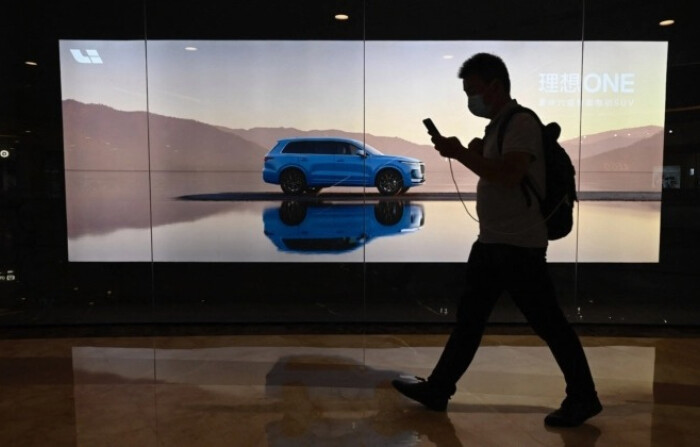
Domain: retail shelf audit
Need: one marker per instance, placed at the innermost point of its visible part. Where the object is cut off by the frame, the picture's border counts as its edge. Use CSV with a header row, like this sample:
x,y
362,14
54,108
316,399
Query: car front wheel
x,y
388,212
389,182
293,181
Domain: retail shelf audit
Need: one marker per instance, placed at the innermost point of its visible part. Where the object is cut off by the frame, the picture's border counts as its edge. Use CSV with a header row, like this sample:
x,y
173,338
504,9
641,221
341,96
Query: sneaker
x,y
422,391
573,413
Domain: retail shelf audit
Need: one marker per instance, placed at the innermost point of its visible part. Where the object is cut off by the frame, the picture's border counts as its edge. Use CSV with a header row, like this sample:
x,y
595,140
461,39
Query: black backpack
x,y
557,206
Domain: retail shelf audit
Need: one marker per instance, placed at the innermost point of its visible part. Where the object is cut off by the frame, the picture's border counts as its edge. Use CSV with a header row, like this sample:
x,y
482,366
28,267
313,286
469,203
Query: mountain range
x,y
98,137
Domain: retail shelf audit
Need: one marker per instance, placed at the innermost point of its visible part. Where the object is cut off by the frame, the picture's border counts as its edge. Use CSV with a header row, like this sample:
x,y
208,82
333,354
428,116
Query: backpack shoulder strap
x,y
526,184
505,120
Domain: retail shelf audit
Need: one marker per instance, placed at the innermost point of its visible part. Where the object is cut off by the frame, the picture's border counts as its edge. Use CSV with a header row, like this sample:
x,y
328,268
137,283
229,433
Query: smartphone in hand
x,y
432,129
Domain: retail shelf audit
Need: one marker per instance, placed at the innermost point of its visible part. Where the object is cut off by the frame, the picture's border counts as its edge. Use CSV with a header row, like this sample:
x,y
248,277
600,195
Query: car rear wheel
x,y
389,182
293,181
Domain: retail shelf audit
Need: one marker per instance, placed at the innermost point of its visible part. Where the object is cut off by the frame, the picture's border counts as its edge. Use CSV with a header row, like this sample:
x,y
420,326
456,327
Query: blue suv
x,y
302,165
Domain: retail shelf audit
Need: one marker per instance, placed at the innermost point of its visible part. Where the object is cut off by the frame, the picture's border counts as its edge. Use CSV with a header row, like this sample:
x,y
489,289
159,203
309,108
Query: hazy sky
x,y
385,88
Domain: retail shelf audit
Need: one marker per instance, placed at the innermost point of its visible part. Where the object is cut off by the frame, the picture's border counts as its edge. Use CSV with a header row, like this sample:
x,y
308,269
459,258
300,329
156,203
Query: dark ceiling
x,y
33,27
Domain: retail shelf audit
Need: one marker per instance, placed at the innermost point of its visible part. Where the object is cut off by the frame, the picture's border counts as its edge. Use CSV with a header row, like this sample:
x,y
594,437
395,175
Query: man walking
x,y
510,252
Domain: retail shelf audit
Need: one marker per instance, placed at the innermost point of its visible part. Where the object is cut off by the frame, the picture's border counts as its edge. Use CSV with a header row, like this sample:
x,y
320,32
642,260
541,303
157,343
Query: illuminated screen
x,y
165,144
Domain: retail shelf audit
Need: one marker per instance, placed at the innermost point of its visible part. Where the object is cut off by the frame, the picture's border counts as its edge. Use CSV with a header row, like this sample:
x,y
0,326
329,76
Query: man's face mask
x,y
477,106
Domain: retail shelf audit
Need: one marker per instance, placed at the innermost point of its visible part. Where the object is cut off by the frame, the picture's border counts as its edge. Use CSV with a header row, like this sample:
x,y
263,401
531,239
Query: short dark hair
x,y
487,67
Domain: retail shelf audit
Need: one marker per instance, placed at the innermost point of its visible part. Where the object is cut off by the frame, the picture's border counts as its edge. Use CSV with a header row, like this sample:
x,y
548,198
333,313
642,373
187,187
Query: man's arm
x,y
508,171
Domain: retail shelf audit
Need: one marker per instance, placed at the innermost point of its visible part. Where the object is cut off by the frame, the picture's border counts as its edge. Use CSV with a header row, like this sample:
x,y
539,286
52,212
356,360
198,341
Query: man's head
x,y
486,83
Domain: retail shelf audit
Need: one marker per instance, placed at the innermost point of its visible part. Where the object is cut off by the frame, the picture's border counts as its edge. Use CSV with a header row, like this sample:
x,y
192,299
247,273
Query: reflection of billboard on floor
x,y
150,123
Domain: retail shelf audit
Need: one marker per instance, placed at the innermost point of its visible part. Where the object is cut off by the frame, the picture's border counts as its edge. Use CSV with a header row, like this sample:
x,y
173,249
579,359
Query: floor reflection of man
x,y
340,402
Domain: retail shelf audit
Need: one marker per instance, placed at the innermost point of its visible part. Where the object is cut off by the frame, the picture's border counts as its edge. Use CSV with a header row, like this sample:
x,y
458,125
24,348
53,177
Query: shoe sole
x,y
562,423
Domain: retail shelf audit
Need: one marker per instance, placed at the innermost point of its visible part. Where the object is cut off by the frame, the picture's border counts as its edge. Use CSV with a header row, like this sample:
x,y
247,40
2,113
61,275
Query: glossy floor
x,y
333,390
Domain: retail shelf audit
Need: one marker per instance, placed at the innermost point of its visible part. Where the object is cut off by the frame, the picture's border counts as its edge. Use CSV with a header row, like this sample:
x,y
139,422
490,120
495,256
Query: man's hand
x,y
449,147
477,145
508,171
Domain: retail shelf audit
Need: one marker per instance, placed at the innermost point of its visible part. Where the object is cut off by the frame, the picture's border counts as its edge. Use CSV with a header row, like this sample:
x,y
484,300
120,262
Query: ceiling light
x,y
342,17
191,48
32,63
667,22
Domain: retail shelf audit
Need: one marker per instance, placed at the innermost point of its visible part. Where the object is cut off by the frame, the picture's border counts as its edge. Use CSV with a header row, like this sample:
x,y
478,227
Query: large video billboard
x,y
165,144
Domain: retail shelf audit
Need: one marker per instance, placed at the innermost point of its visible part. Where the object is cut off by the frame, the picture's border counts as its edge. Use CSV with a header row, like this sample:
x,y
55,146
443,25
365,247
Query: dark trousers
x,y
523,273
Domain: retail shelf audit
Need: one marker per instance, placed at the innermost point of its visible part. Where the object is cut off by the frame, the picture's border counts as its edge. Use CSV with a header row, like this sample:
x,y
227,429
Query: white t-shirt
x,y
504,214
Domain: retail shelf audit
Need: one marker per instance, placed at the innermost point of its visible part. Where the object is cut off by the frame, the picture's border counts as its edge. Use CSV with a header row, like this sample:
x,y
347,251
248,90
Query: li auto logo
x,y
89,57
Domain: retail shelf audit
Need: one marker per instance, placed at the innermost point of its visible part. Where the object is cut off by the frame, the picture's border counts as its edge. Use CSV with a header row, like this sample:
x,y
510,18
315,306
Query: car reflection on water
x,y
331,227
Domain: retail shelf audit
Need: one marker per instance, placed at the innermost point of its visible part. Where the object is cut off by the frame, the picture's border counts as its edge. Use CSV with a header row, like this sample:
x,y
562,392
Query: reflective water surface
x,y
331,230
